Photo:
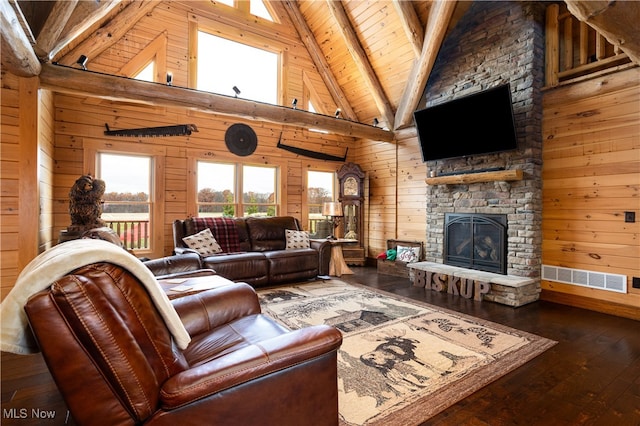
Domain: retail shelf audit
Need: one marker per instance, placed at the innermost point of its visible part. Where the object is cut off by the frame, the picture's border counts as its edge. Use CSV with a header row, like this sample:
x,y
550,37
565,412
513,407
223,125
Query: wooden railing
x,y
313,225
134,234
574,49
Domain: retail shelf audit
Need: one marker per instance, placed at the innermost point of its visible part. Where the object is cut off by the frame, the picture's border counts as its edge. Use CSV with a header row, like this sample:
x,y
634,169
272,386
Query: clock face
x,y
350,186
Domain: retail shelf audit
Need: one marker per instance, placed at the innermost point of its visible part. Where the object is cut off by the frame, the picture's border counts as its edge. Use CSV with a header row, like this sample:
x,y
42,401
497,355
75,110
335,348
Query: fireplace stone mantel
x,y
492,176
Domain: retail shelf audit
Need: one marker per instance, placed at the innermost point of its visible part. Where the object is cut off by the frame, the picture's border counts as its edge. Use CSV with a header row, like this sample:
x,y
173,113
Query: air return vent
x,y
599,280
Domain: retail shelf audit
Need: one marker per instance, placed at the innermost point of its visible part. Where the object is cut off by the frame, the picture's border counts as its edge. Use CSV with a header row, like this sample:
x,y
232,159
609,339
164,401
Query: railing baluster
x,y
134,234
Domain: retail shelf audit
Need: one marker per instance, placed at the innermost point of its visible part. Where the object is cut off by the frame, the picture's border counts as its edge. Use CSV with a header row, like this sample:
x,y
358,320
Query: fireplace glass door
x,y
476,241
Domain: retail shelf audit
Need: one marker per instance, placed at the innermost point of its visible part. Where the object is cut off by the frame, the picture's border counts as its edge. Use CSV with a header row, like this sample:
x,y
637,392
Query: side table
x,y
337,264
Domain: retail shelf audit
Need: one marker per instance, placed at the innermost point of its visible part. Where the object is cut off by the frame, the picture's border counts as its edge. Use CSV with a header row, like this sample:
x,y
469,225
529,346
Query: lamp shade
x,y
332,209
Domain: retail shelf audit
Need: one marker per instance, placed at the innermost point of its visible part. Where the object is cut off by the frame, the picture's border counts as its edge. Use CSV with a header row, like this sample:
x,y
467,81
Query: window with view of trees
x,y
219,186
320,189
127,199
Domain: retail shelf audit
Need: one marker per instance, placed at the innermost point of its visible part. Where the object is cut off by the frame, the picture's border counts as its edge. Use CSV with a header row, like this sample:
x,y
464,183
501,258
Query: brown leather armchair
x,y
115,362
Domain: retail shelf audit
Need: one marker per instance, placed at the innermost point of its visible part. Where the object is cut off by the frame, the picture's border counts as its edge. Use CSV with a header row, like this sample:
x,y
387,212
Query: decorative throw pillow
x,y
297,239
203,242
408,254
391,254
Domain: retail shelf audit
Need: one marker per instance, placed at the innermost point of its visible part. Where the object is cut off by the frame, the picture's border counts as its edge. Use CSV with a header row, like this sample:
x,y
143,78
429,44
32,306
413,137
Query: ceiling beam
x,y
53,26
86,83
85,15
411,24
17,55
111,33
439,16
617,21
318,59
362,61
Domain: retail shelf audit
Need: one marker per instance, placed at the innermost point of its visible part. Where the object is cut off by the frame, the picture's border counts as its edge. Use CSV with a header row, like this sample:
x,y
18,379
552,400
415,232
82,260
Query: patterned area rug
x,y
401,361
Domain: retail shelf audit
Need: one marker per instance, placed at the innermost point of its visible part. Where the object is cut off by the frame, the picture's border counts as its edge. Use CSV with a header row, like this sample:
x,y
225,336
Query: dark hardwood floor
x,y
591,377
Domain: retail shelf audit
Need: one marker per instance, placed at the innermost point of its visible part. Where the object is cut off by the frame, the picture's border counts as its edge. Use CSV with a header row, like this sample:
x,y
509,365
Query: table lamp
x,y
333,211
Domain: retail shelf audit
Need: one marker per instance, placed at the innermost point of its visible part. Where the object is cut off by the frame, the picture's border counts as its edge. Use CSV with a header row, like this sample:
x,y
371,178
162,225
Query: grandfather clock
x,y
351,195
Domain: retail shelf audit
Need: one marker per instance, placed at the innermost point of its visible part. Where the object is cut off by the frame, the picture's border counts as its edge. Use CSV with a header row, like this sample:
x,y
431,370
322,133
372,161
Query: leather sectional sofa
x,y
258,256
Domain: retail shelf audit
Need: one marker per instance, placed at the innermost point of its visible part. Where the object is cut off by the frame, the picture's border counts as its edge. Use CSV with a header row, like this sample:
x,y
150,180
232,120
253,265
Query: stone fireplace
x,y
476,241
495,43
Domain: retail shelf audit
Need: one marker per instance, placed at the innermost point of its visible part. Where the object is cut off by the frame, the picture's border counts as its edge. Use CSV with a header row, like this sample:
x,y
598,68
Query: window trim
x,y
91,148
155,51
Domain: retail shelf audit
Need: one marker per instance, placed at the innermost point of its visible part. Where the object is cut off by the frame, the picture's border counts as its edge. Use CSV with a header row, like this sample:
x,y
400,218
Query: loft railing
x,y
134,234
574,49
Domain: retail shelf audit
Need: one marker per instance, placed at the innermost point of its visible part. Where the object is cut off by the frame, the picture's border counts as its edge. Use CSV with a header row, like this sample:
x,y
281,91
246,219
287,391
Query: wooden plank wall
x,y
591,175
9,182
79,119
26,152
397,192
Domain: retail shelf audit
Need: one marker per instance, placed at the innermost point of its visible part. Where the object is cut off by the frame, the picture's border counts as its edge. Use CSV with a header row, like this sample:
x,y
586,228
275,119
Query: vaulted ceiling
x,y
374,56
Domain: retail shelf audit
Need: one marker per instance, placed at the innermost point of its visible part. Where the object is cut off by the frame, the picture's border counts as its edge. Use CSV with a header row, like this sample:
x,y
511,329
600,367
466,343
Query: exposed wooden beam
x,y
411,24
112,32
85,15
439,16
86,83
17,55
53,27
617,21
361,60
318,59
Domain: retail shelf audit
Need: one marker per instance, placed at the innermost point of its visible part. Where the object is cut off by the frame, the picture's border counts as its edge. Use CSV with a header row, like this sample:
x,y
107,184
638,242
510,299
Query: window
x,y
224,65
218,190
255,7
258,8
147,73
259,190
127,199
320,188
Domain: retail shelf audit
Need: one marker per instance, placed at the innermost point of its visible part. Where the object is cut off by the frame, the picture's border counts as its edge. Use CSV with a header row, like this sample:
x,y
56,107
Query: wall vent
x,y
599,280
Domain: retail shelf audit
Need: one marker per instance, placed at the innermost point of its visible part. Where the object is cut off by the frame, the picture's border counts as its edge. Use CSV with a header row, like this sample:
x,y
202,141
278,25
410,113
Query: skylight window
x,y
224,64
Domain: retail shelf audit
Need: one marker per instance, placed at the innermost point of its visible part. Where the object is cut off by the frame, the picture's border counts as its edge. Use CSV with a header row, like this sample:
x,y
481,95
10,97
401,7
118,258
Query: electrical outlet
x,y
635,282
630,217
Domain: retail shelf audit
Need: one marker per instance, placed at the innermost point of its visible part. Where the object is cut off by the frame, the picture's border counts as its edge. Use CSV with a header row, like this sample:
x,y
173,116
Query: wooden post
x,y
29,202
551,48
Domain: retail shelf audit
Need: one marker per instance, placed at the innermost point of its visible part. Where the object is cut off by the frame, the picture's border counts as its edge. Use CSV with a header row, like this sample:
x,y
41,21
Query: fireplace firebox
x,y
476,241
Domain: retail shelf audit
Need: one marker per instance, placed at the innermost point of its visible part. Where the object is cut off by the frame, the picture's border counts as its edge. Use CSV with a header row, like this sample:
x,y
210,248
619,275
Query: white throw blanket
x,y
57,262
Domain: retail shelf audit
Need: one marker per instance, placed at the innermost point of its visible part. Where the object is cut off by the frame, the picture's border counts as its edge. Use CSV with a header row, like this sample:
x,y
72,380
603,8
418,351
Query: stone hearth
x,y
469,283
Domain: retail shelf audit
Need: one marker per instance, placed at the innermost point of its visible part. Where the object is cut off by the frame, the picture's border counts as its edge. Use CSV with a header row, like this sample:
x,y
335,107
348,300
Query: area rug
x,y
401,361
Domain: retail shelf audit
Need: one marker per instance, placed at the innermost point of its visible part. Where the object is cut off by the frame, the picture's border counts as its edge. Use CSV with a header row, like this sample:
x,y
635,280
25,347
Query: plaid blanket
x,y
223,229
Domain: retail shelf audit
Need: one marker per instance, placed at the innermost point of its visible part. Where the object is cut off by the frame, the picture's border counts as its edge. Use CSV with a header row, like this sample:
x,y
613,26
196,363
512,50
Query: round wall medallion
x,y
241,139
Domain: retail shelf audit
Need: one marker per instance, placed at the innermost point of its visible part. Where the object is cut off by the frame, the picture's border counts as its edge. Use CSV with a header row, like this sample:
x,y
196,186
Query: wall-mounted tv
x,y
480,123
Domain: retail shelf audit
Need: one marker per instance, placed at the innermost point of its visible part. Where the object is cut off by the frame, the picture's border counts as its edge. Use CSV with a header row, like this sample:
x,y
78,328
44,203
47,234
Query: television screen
x,y
480,123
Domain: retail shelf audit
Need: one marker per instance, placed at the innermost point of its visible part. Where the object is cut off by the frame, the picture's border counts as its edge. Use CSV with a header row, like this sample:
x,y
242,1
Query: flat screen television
x,y
480,123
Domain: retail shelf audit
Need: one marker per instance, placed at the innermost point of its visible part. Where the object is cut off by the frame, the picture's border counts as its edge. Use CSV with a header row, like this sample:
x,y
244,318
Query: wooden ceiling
x,y
374,56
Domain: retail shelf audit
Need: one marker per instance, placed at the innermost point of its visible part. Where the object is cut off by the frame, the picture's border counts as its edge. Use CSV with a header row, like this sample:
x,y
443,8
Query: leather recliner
x,y
115,362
